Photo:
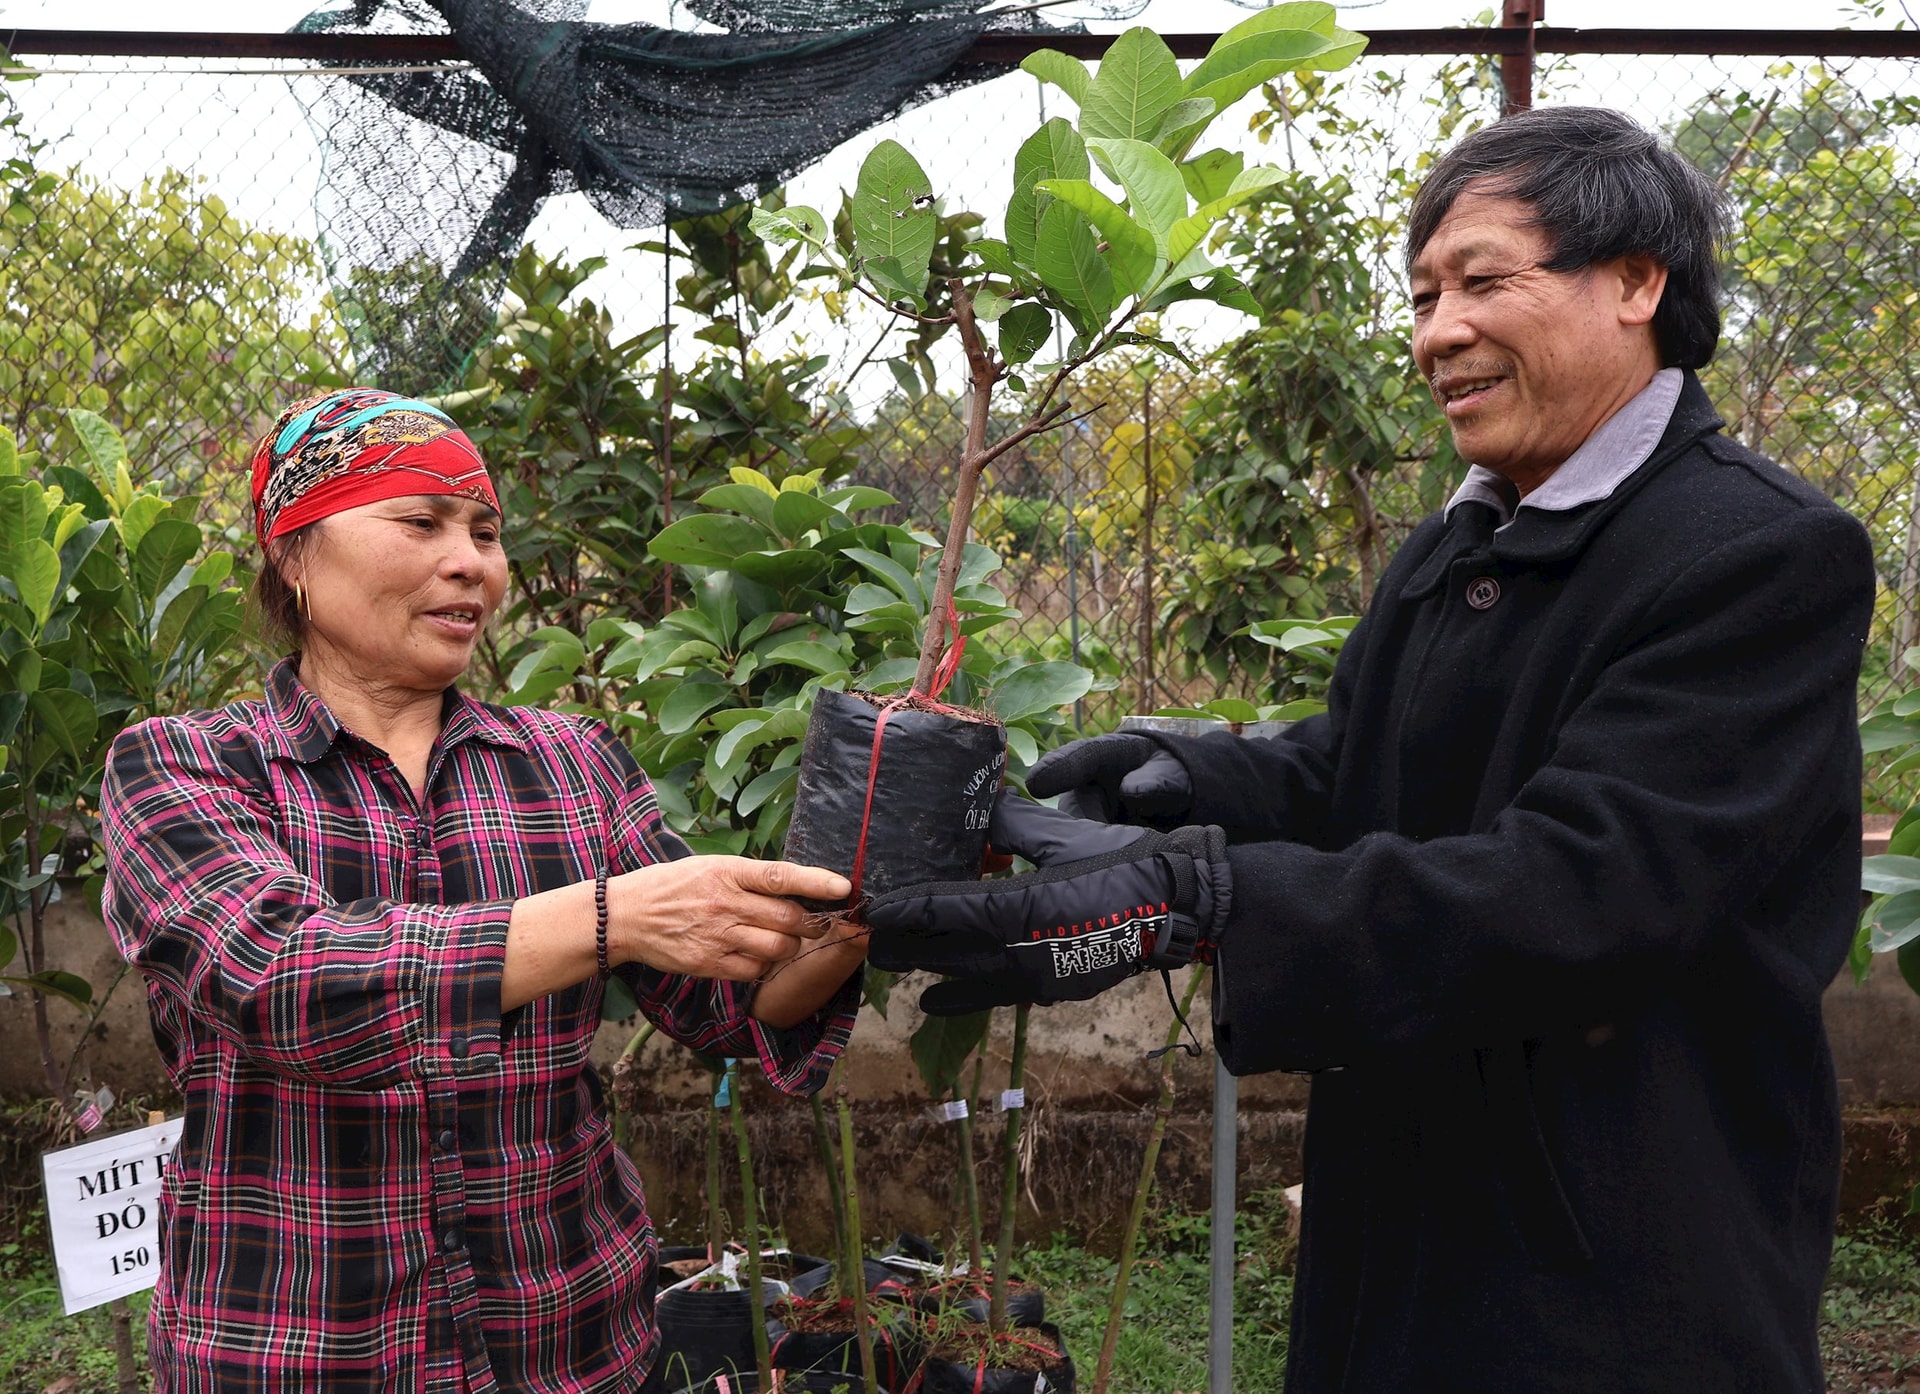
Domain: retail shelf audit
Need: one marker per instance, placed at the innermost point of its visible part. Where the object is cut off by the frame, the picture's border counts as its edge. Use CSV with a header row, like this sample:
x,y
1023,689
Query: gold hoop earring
x,y
300,601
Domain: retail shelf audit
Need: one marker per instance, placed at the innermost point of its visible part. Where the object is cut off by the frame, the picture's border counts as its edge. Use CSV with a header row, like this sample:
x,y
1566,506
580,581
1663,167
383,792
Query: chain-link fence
x,y
170,258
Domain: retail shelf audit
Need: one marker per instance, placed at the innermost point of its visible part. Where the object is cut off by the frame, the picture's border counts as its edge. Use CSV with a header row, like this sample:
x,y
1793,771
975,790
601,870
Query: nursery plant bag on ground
x,y
1037,1345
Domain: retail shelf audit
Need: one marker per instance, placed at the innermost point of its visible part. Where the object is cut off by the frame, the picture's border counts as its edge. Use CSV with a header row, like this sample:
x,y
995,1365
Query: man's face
x,y
1526,362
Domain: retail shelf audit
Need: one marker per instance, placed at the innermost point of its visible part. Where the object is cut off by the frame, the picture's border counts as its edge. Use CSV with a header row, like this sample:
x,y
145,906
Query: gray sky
x,y
250,139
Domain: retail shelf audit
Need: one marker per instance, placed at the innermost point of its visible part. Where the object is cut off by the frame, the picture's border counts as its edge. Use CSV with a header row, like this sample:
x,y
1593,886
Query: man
x,y
1548,897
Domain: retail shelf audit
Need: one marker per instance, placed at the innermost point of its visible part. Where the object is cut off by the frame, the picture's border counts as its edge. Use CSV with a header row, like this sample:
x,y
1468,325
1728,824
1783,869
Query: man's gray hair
x,y
1601,187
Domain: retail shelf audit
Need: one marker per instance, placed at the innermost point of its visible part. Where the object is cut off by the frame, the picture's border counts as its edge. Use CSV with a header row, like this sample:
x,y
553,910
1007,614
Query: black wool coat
x,y
1547,900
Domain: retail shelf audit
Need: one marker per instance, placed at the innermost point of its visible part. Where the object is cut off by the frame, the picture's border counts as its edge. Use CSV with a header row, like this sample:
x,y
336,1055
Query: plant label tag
x,y
1010,1099
103,1211
952,1111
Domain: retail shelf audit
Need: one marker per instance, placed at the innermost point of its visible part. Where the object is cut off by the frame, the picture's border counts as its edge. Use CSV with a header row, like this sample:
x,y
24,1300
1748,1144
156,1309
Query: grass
x,y
1870,1323
39,1345
1870,1333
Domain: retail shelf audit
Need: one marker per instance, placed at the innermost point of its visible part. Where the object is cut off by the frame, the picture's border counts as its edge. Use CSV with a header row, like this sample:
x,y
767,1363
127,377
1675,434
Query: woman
x,y
374,917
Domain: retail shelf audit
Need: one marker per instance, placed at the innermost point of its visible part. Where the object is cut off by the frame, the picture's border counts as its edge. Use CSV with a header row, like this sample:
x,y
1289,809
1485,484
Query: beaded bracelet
x,y
600,923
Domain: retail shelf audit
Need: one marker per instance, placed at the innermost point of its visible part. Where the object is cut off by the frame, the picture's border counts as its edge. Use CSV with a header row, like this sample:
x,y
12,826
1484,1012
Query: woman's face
x,y
398,591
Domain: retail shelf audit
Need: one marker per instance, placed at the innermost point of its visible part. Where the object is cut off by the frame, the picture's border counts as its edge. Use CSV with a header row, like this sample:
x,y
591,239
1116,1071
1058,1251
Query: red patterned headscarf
x,y
359,445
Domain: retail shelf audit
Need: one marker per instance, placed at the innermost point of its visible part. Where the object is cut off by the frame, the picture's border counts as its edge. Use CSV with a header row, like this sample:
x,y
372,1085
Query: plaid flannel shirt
x,y
383,1181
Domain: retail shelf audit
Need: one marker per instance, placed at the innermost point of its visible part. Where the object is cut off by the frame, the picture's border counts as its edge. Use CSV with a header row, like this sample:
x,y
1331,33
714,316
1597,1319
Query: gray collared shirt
x,y
1602,463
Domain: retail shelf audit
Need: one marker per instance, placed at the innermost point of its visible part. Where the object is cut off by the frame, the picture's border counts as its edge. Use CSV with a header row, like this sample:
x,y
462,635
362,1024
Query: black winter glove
x,y
1105,904
1120,778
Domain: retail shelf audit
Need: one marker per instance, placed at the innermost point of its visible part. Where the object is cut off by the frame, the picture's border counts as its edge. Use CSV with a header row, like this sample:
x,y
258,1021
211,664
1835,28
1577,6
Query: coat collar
x,y
299,726
1537,536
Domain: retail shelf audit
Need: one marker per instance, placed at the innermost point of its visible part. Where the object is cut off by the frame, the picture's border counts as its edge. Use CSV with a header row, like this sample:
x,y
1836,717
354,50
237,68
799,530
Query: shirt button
x,y
450,1241
447,1140
457,1047
1482,592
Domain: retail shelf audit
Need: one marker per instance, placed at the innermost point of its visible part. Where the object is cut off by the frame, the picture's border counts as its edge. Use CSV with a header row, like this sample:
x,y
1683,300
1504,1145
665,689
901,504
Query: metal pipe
x,y
1220,1244
1516,69
1011,48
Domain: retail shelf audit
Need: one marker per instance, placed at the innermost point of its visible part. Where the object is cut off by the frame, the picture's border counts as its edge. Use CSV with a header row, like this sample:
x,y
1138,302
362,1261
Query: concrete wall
x,y
1090,1054
1088,1084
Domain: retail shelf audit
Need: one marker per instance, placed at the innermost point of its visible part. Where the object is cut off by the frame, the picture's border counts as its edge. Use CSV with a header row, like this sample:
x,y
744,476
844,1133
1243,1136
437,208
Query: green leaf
x,y
1315,16
995,256
1021,745
137,516
1130,247
756,503
1896,921
887,274
894,672
36,575
893,211
897,577
788,724
691,701
1908,959
795,512
707,539
172,627
1055,151
794,223
1038,687
67,717
23,519
810,654
1884,875
68,986
617,1001
941,1046
1186,234
1024,329
9,465
101,442
1156,195
1231,70
1210,174
1069,262
1182,125
1069,74
855,497
168,545
24,670
782,570
1137,81
763,787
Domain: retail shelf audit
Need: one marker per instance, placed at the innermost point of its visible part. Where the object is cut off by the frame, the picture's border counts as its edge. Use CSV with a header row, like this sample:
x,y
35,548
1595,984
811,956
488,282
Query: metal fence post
x,y
1223,1223
1516,69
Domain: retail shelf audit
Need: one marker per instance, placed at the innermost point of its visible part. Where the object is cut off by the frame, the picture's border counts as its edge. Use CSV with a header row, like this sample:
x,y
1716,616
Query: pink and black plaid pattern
x,y
383,1183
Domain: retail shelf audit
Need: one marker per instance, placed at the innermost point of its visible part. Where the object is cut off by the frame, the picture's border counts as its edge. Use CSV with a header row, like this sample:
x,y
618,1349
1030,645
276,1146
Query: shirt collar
x,y
1619,446
301,727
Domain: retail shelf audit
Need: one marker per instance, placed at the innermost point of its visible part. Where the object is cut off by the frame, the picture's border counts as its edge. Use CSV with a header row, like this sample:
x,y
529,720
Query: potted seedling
x,y
714,1299
1109,220
837,1336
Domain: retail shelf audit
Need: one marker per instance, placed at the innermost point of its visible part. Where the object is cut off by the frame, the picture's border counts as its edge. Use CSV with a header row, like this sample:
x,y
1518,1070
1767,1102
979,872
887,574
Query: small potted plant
x,y
896,790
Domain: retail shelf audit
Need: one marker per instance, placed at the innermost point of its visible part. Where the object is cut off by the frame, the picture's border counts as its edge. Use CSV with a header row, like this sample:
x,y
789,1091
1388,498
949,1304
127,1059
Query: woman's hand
x,y
717,917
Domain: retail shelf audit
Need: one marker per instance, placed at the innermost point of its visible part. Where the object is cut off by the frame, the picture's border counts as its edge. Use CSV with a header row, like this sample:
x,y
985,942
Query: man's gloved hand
x,y
1120,778
1106,903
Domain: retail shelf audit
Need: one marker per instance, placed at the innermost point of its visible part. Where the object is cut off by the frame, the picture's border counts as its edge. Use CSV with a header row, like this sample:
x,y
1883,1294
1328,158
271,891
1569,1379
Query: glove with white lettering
x,y
1120,778
1106,903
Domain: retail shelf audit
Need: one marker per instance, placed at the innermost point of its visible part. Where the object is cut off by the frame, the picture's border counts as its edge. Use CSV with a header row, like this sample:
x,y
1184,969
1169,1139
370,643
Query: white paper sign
x,y
103,1208
952,1111
1010,1099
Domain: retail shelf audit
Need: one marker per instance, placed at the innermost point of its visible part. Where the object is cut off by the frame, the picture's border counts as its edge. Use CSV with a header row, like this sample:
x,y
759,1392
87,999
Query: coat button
x,y
1482,592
